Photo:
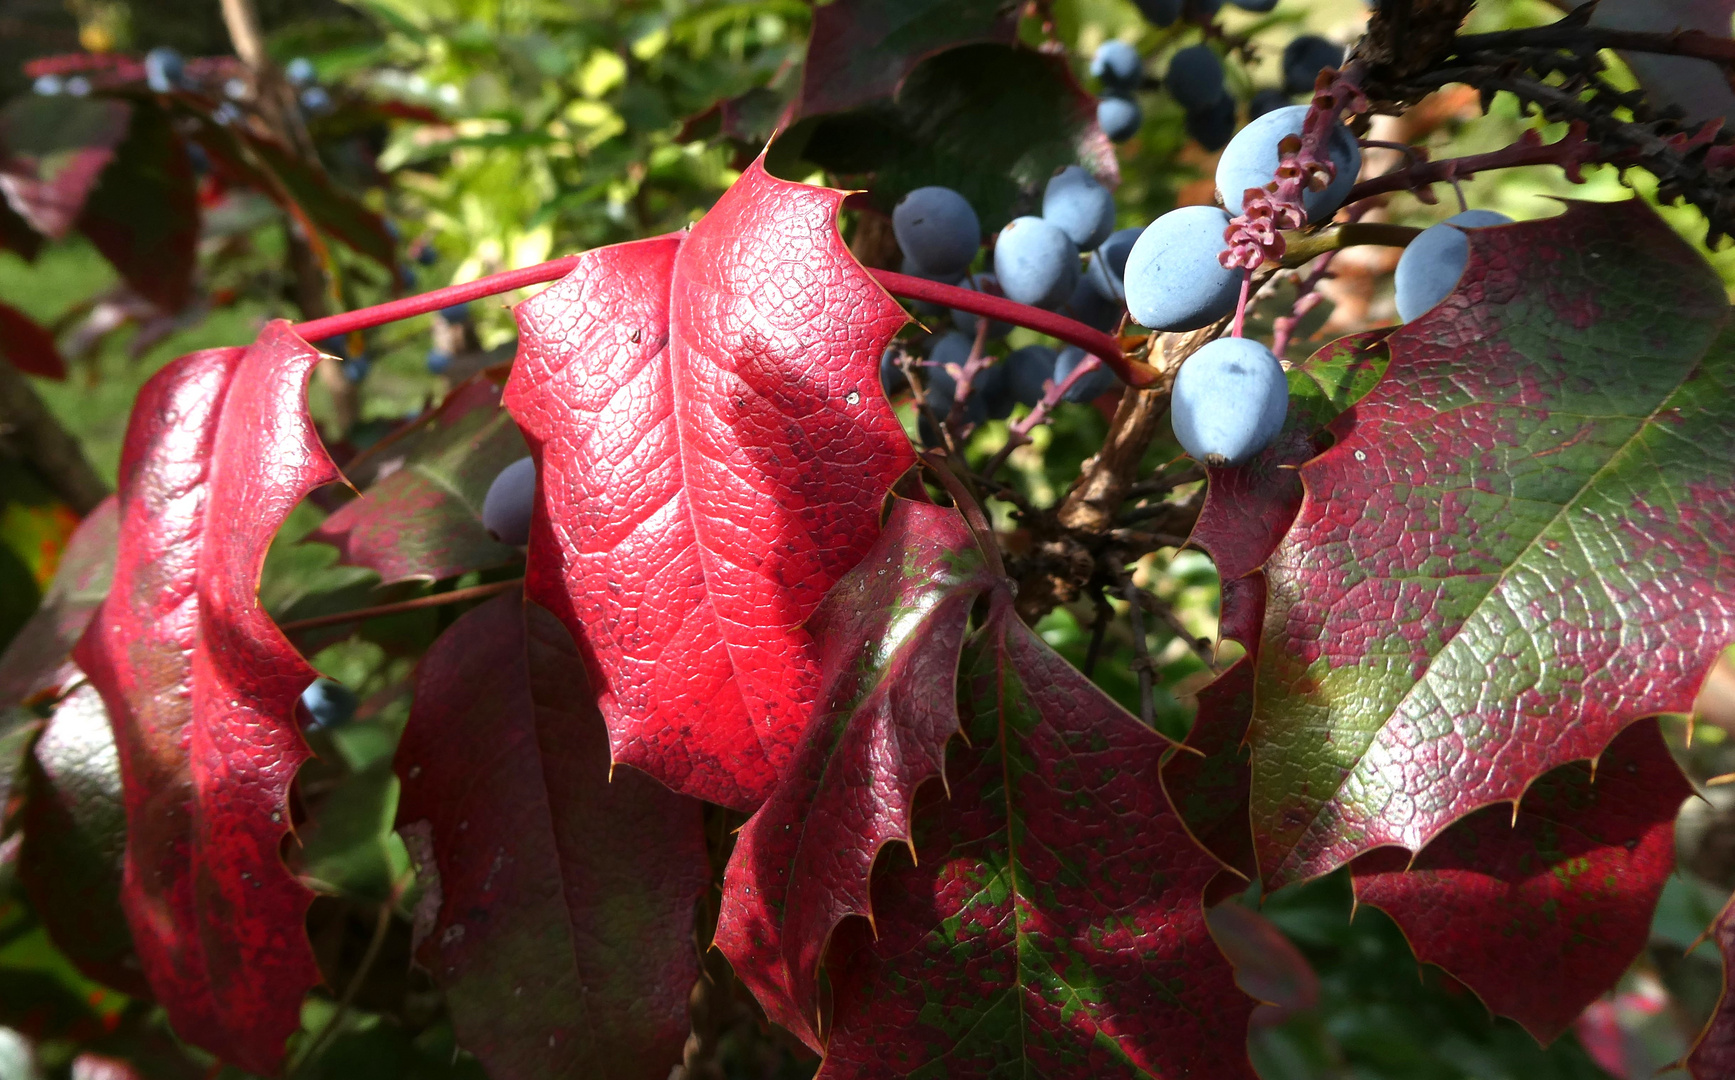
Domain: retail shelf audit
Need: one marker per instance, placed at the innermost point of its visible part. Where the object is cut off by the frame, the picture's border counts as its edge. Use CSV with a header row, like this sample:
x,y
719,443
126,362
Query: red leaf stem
x,y
1570,152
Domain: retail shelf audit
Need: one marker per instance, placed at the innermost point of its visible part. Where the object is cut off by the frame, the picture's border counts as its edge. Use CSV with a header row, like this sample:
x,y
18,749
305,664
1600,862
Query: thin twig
x,y
456,596
1142,662
326,1031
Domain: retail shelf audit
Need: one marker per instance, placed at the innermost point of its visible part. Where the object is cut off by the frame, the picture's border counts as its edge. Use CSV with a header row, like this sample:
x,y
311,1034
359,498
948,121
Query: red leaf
x,y
143,214
422,516
1521,542
1713,1053
860,50
37,662
52,149
28,346
201,687
566,898
713,451
1541,913
1268,966
891,629
1052,924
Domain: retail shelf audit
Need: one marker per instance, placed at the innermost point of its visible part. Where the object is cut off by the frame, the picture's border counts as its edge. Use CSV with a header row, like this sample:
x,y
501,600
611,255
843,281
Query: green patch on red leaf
x,y
1522,541
420,517
559,905
52,149
713,451
1052,922
891,632
201,688
1541,911
860,50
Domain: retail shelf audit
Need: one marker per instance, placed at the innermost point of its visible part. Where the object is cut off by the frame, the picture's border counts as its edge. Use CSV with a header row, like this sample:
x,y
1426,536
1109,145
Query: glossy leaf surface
x,y
202,687
713,451
27,346
1052,923
37,661
1520,542
421,515
891,631
52,149
1541,915
74,842
860,50
565,899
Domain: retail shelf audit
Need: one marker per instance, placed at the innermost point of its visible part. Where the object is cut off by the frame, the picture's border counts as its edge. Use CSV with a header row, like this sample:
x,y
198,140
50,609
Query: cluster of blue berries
x,y
166,72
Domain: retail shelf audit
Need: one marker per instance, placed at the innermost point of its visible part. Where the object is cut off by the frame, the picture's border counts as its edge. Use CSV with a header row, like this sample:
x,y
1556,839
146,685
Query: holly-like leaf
x,y
860,50
52,149
27,346
201,687
942,128
1540,915
1052,923
1713,1053
37,662
422,516
565,896
713,450
891,630
74,842
333,210
143,214
1522,541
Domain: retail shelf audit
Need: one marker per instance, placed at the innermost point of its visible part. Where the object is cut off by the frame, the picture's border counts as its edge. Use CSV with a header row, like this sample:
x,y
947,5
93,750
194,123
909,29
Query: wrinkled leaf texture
x,y
564,935
713,450
1520,543
201,688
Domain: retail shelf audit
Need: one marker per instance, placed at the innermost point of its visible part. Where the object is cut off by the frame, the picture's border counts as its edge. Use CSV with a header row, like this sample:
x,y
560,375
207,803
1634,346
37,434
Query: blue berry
x,y
506,508
891,374
993,388
439,360
78,86
1229,401
48,85
1109,263
1254,5
1118,65
329,704
1212,126
1431,266
356,368
1195,77
937,230
1174,280
163,69
1083,208
457,314
1119,117
1036,262
315,99
1264,101
1203,11
1026,370
1088,307
1160,12
951,349
1250,161
428,254
1304,58
1090,386
966,322
299,71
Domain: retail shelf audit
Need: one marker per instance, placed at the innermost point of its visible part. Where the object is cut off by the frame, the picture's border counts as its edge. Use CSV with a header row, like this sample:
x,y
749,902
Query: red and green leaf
x,y
202,687
27,346
565,895
1519,544
891,630
713,450
860,50
38,663
421,516
1540,912
1052,921
52,149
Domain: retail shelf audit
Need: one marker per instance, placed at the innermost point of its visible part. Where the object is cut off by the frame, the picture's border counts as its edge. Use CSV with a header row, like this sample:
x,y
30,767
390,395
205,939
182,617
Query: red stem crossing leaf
x,y
565,897
201,688
1522,541
713,451
892,630
1540,914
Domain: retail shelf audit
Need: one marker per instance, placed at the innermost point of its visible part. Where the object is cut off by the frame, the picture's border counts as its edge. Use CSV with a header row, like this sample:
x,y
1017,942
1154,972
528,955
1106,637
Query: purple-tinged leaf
x,y
52,149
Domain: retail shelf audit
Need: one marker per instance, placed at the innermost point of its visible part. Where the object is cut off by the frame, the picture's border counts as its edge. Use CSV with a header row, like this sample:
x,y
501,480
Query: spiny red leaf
x,y
1052,924
860,50
1540,914
52,149
564,929
74,828
891,630
1713,1053
713,449
201,687
1522,541
143,214
27,346
38,660
422,516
